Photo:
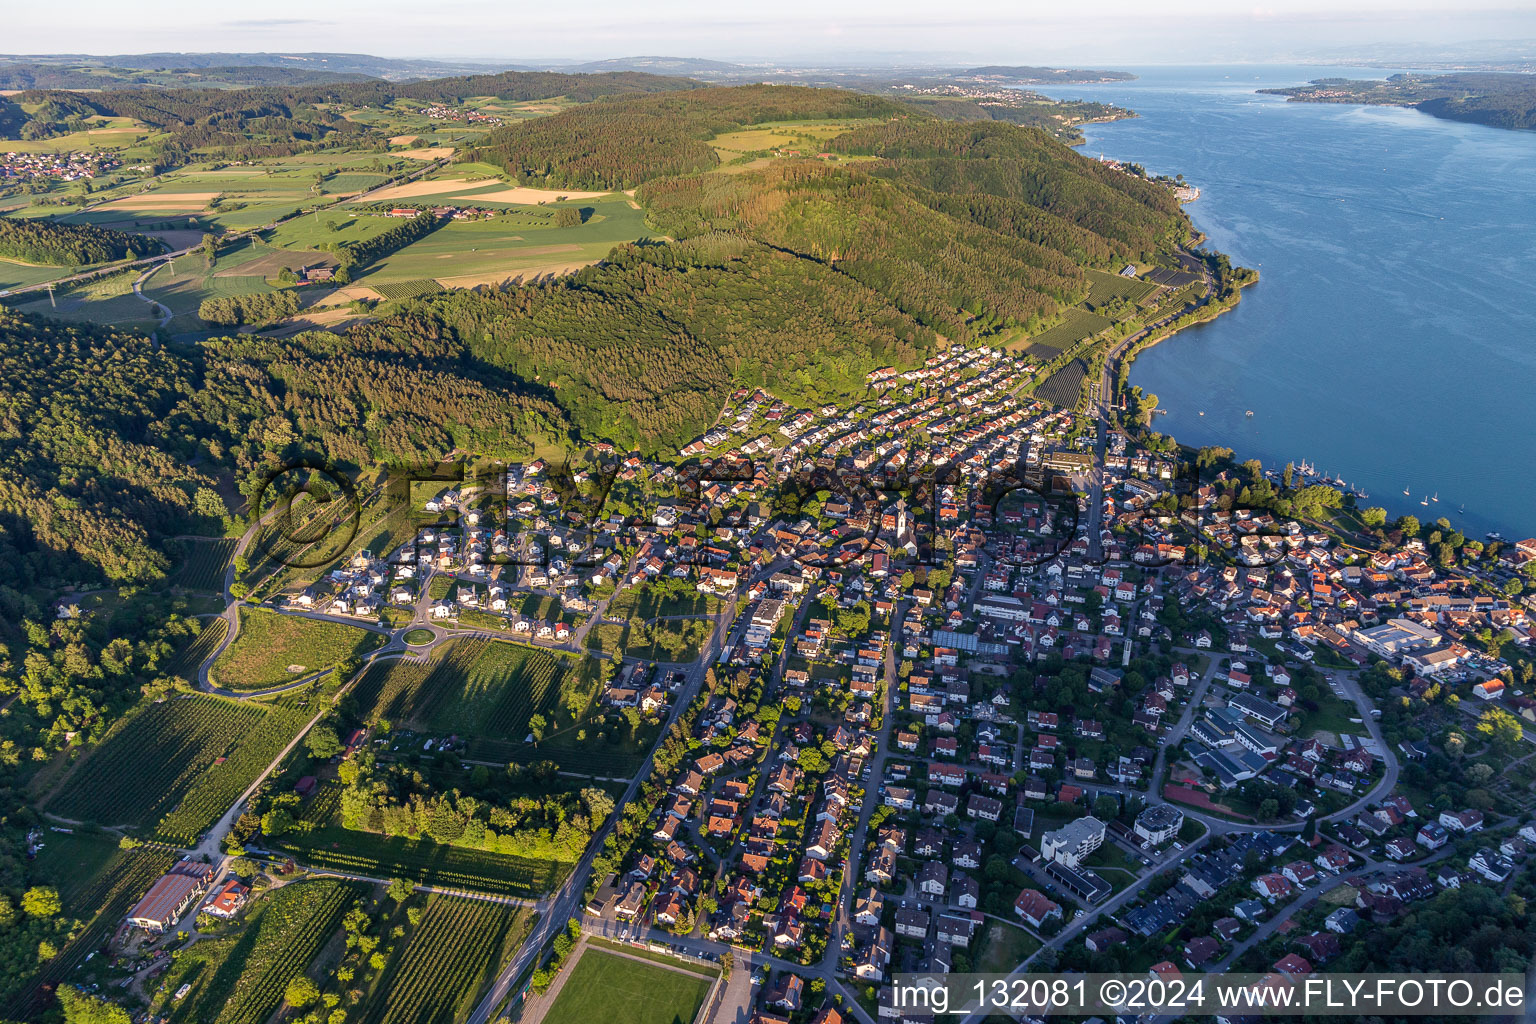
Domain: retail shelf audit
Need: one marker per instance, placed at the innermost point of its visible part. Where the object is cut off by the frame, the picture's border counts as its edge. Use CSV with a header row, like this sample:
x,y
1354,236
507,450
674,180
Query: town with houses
x,y
63,166
1058,706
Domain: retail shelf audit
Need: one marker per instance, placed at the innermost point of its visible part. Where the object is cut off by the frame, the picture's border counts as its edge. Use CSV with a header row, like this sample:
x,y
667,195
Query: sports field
x,y
607,986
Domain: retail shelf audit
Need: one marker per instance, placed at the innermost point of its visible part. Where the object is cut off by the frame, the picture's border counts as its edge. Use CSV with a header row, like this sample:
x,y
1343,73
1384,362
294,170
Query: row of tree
x,y
255,308
67,245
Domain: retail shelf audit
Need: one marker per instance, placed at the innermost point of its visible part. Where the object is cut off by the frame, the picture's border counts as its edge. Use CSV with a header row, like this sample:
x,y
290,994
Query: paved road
x,y
566,902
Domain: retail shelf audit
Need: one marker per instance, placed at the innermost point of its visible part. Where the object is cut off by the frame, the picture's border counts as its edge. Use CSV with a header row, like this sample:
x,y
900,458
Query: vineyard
x,y
1077,324
108,896
1065,386
455,950
1104,287
186,661
217,789
270,644
146,764
407,289
240,980
204,564
347,851
475,688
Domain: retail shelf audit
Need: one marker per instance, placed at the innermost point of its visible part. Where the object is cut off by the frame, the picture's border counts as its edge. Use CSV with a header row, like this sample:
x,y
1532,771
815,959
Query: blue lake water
x,y
1391,339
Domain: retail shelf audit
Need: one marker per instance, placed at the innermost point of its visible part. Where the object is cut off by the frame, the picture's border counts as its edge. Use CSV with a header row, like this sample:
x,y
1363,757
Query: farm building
x,y
170,897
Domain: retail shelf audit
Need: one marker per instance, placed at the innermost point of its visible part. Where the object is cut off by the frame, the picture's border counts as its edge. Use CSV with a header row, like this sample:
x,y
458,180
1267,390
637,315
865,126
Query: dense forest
x,y
282,120
681,325
187,108
256,308
107,445
69,245
85,487
1496,99
622,143
1023,164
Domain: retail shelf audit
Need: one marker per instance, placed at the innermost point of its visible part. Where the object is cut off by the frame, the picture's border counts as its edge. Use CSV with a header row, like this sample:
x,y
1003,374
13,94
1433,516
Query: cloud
x,y
276,22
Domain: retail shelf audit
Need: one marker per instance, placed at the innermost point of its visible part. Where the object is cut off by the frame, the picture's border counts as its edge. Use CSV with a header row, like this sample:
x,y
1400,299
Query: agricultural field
x,y
437,974
1104,287
163,765
186,661
1077,324
473,688
807,138
204,563
104,300
1065,385
611,986
15,274
336,848
240,979
100,900
272,649
183,285
517,246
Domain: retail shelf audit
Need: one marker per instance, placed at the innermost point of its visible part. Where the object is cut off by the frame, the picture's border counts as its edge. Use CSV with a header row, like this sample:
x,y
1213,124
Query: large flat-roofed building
x,y
1396,636
1073,842
170,896
1159,823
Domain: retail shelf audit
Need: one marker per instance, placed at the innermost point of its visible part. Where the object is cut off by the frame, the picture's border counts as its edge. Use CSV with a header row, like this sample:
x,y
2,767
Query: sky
x,y
791,31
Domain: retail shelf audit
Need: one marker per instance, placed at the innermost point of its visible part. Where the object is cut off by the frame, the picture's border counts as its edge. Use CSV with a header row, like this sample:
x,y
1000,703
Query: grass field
x,y
422,861
272,649
675,640
649,603
807,137
240,979
436,975
179,763
126,312
1003,947
72,862
465,253
607,986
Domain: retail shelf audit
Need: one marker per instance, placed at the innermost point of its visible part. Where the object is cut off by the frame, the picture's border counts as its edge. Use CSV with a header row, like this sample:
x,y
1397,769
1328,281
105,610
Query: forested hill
x,y
618,144
229,111
643,349
801,275
108,446
1499,100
